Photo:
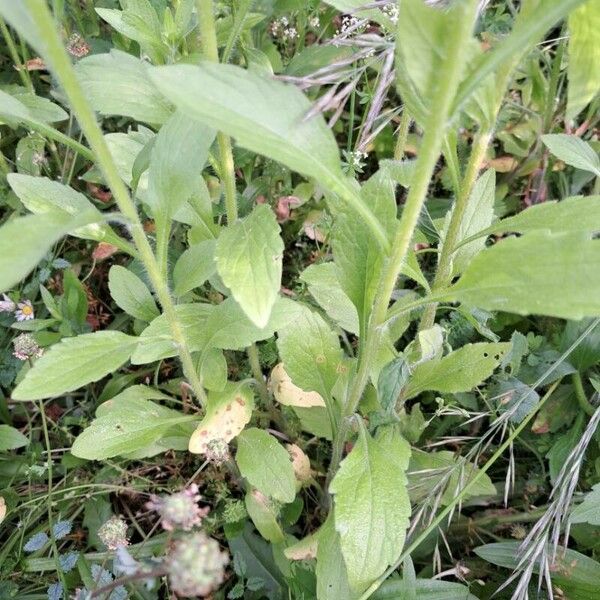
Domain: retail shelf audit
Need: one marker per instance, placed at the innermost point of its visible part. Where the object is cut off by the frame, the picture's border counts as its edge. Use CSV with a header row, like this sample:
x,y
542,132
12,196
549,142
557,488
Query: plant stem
x,y
443,274
208,37
64,72
443,95
403,129
14,55
553,85
582,399
461,495
254,360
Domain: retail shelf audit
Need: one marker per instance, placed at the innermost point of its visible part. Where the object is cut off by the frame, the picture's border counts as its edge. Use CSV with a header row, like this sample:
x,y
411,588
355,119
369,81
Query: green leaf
x,y
573,150
249,257
358,257
43,196
546,274
332,575
425,589
266,464
459,371
178,156
24,241
311,353
371,505
587,353
478,215
75,362
579,213
247,106
11,438
118,84
428,469
131,294
263,513
21,107
156,343
577,575
123,428
324,286
227,413
584,51
194,267
589,510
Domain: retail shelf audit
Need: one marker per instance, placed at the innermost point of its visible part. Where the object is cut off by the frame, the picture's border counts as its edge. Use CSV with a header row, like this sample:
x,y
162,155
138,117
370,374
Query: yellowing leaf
x,y
286,392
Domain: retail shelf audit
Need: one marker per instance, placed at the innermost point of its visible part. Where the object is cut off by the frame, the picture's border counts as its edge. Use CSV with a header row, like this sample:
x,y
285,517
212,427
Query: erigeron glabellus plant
x,y
340,369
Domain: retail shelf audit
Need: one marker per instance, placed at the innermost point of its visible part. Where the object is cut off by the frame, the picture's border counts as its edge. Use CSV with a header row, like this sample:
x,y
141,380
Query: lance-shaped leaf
x,y
249,257
574,151
371,505
539,273
194,267
131,294
75,362
459,371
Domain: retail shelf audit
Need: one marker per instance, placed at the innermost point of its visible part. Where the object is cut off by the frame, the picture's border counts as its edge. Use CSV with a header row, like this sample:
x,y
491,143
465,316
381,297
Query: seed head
x,y
26,347
113,533
180,510
196,565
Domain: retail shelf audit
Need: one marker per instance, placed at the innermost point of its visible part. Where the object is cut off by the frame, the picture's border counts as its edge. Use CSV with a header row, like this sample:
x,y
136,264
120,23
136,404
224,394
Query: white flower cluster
x,y
281,28
391,10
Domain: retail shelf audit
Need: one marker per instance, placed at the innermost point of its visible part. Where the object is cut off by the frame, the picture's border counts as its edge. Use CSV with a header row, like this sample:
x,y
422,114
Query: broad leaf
x,y
118,84
265,463
573,150
131,294
371,505
21,107
311,353
289,394
459,371
247,106
127,427
547,274
178,156
249,257
584,52
194,267
324,286
227,413
264,515
24,241
75,362
11,438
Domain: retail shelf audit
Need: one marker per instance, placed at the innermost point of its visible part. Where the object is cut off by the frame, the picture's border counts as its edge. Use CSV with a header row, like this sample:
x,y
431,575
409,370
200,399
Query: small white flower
x,y
290,33
24,311
314,22
391,10
6,304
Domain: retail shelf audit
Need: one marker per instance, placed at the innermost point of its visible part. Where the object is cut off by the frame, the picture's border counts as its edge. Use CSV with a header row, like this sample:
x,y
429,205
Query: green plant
x,y
204,284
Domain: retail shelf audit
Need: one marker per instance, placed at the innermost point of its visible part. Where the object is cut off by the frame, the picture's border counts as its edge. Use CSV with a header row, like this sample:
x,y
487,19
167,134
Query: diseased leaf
x,y
227,413
264,515
289,394
249,255
273,477
131,294
539,273
584,53
371,505
459,371
311,353
117,83
75,362
573,150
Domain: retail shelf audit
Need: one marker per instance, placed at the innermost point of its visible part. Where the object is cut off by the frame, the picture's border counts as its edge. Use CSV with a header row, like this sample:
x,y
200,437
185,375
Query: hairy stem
x,y
443,94
65,74
580,394
443,274
402,135
208,39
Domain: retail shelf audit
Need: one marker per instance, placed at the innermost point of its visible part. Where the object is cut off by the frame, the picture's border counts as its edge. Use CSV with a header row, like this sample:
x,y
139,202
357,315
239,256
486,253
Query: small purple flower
x,y
180,510
26,347
24,311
